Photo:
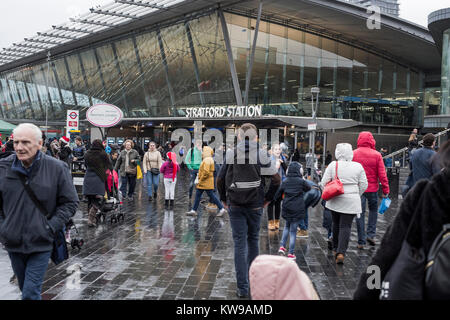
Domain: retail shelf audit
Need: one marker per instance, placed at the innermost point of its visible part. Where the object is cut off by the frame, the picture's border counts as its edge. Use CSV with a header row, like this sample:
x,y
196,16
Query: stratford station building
x,y
161,61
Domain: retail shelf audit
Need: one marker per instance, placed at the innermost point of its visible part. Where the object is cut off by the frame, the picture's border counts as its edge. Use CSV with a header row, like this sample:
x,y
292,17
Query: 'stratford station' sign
x,y
224,112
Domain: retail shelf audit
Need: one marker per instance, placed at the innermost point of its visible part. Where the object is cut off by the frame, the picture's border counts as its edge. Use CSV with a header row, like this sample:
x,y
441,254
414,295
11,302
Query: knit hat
x,y
64,139
428,140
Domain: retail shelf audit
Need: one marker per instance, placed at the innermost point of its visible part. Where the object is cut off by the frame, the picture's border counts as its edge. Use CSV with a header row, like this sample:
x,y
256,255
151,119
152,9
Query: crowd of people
x,y
268,179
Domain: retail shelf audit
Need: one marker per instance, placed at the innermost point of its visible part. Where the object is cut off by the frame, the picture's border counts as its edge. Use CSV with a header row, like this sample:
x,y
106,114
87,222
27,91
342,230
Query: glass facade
x,y
445,78
161,72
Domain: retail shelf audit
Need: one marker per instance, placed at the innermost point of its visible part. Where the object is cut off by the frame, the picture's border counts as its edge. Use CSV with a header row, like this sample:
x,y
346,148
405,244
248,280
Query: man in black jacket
x,y
24,230
244,192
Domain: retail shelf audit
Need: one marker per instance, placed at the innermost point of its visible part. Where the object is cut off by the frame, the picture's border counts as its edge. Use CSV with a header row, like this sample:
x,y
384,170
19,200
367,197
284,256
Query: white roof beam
x,y
72,29
42,41
29,46
142,4
115,14
97,23
49,35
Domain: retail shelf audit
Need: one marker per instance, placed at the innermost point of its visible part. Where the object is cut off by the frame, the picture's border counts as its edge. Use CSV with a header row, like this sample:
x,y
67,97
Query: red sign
x,y
73,123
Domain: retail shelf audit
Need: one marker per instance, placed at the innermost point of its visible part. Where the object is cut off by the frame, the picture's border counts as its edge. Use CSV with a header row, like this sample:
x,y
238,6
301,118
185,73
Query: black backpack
x,y
243,182
437,274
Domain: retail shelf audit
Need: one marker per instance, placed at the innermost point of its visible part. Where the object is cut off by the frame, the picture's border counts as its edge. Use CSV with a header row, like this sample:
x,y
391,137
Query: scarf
x,y
173,159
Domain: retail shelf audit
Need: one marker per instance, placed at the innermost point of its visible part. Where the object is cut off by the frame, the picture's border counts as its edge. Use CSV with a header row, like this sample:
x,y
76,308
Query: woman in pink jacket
x,y
170,169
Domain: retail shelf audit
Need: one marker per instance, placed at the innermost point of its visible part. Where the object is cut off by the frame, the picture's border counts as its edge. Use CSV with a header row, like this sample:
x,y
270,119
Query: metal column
x,y
33,80
119,71
63,105
194,61
166,70
226,38
99,69
69,76
141,71
29,99
252,55
85,79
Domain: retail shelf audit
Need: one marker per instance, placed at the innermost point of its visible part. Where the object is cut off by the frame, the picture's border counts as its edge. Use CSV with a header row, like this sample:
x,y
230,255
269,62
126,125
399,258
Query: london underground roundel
x,y
104,115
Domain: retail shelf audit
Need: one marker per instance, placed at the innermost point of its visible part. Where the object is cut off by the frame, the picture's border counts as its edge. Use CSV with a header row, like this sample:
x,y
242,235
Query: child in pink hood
x,y
170,170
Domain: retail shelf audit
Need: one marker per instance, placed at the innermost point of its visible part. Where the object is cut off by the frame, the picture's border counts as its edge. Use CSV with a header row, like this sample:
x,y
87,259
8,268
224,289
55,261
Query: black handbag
x,y
60,251
405,278
154,171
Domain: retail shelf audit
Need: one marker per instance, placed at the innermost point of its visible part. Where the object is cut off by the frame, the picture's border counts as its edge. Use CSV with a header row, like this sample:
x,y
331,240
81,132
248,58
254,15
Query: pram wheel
x,y
76,243
114,218
120,216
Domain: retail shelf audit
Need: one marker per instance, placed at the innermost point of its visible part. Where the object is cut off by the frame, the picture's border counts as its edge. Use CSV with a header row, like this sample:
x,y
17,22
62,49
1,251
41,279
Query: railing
x,y
405,149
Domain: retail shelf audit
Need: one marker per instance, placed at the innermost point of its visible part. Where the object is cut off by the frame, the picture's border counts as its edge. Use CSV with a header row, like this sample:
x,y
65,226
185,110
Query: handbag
x,y
59,251
139,172
154,171
333,188
405,278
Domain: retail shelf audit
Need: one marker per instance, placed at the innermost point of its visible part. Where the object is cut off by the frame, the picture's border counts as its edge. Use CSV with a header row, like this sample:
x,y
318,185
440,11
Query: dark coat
x,y
120,163
79,152
293,188
64,154
430,199
421,164
23,228
97,162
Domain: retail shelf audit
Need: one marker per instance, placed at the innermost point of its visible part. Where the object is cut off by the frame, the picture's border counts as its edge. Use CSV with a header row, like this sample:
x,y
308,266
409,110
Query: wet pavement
x,y
164,254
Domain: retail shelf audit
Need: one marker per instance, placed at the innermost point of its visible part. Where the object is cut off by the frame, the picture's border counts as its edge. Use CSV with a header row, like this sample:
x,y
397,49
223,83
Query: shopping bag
x,y
385,203
139,173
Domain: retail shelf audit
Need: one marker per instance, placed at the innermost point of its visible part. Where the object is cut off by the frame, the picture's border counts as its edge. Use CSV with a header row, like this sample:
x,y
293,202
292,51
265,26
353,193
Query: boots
x,y
166,204
277,224
92,221
171,203
155,195
271,226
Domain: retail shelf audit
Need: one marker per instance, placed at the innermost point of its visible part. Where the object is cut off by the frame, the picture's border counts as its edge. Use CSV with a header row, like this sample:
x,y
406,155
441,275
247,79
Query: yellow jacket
x,y
206,171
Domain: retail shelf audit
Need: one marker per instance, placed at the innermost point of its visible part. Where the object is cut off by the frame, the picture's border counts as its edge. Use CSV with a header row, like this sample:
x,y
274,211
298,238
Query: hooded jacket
x,y
372,162
353,178
206,171
430,200
293,188
170,168
278,278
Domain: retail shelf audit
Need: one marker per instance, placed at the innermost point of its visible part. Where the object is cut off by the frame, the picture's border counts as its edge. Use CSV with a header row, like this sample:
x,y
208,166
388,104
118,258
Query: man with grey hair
x,y
25,230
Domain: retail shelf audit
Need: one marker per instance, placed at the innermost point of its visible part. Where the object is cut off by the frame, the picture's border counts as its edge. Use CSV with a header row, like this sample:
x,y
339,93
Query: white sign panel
x,y
312,126
225,112
104,115
73,121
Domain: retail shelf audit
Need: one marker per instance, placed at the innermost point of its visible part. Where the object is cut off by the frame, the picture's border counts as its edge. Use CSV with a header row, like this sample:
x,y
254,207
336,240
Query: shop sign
x,y
104,115
224,112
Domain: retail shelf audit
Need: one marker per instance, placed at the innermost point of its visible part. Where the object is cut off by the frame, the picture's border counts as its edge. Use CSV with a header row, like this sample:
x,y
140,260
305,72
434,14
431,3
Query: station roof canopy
x,y
398,39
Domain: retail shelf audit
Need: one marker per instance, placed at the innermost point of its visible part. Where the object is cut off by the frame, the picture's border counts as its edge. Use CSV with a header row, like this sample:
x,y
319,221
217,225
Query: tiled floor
x,y
164,254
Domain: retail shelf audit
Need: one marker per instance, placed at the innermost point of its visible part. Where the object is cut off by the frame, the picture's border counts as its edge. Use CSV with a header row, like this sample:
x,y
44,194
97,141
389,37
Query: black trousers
x,y
274,210
342,225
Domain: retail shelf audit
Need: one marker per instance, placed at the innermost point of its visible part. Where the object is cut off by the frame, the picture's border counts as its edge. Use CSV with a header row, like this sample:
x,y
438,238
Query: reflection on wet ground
x,y
164,254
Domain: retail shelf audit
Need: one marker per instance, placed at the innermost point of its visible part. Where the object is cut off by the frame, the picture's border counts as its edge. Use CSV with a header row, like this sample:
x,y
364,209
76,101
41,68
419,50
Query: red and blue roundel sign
x,y
104,115
73,115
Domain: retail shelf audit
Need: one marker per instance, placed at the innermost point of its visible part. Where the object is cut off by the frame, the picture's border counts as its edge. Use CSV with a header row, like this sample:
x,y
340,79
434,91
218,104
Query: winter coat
x,y
65,153
430,200
352,176
97,162
278,278
270,179
151,160
121,161
372,162
23,227
422,164
206,170
79,152
167,169
193,161
293,189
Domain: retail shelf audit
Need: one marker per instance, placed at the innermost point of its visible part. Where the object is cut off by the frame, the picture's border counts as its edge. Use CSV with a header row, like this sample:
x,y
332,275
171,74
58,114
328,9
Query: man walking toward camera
x,y
242,187
373,165
24,230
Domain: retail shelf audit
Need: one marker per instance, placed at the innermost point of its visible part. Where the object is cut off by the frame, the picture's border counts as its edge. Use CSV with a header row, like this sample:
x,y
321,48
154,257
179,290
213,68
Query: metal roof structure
x,y
99,19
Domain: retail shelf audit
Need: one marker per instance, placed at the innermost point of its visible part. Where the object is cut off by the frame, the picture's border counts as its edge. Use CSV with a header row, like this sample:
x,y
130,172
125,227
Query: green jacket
x,y
193,164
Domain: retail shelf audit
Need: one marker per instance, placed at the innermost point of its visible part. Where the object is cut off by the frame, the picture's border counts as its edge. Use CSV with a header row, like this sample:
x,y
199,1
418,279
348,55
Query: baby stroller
x,y
74,242
111,202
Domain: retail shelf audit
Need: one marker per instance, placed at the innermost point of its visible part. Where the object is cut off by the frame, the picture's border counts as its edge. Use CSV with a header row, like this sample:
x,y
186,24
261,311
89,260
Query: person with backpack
x,y
247,182
291,192
37,199
206,183
426,212
346,206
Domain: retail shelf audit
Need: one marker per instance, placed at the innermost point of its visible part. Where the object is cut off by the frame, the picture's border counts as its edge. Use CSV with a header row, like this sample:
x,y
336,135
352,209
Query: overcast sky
x,y
23,18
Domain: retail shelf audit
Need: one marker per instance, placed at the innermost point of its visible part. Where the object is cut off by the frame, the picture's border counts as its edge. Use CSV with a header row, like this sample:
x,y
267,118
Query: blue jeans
x,y
372,199
30,271
193,174
303,223
327,222
245,225
212,197
152,182
290,228
128,179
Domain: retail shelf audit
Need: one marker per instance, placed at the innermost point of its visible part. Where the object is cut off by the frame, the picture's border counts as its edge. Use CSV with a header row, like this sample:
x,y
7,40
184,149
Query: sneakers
x,y
282,251
371,241
241,295
150,198
221,212
291,256
302,233
340,258
192,213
